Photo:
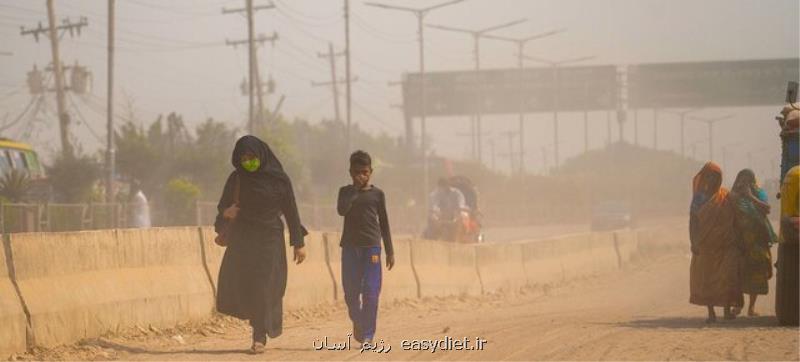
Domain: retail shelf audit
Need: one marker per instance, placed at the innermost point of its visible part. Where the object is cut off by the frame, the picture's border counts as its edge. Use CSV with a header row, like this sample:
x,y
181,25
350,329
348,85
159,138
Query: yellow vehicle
x,y
23,158
19,156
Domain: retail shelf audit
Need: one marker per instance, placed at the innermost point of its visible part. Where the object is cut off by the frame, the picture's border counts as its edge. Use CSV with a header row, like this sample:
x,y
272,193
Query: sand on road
x,y
638,314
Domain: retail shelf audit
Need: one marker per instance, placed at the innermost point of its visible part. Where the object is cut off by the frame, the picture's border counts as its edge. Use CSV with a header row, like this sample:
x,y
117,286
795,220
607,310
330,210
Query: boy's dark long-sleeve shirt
x,y
365,218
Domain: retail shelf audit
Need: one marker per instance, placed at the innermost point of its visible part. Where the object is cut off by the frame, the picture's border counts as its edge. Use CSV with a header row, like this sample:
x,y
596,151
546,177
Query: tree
x,y
14,186
73,176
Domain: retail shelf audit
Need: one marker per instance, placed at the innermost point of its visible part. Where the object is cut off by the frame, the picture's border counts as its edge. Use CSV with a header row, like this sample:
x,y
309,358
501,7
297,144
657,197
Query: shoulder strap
x,y
236,189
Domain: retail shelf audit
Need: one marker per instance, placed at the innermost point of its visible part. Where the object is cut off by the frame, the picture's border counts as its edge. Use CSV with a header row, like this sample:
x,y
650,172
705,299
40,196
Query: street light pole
x,y
710,122
521,42
683,114
420,14
476,36
555,65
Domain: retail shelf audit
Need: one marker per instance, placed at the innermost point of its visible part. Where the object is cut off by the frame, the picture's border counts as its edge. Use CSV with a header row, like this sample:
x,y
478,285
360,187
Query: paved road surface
x,y
640,314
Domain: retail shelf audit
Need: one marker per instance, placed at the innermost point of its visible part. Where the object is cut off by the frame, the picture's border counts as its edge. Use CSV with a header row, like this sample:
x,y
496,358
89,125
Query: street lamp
x,y
683,114
555,65
476,36
710,122
420,14
725,155
694,147
521,42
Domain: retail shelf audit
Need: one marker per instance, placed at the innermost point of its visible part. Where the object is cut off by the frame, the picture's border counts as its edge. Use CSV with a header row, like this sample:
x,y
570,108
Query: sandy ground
x,y
638,314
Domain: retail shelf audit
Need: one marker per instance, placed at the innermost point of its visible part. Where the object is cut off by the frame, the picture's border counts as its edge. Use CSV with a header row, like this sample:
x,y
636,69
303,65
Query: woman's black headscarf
x,y
270,165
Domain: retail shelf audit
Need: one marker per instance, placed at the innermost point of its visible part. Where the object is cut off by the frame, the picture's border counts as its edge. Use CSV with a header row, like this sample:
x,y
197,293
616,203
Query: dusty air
x,y
399,180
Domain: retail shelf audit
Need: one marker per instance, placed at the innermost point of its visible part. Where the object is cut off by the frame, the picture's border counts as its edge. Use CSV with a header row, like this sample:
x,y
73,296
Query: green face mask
x,y
251,165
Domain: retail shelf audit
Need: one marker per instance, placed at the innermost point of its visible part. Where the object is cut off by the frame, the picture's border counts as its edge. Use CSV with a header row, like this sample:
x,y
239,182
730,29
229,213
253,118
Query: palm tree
x,y
14,185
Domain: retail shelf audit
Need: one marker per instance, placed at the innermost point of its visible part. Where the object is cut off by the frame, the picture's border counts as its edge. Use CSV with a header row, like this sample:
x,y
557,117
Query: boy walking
x,y
365,223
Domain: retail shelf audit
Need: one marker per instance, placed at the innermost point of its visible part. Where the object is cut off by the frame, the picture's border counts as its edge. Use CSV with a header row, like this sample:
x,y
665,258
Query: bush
x,y
72,177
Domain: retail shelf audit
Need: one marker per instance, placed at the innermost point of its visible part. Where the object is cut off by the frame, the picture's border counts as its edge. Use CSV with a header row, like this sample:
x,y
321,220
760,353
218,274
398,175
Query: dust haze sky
x,y
171,57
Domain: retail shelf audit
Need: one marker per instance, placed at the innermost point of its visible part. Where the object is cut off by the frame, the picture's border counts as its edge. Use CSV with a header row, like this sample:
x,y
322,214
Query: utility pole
x,y
710,122
420,14
636,126
471,135
521,42
510,135
585,119
110,154
58,70
655,129
251,51
725,148
683,114
253,78
608,128
347,75
694,148
476,36
408,122
491,149
331,56
555,65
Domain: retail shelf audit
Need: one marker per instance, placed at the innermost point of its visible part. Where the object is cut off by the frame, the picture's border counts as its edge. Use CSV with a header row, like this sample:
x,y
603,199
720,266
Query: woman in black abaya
x,y
252,276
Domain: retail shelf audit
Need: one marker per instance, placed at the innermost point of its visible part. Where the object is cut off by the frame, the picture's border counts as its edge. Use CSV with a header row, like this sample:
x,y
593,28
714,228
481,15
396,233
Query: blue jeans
x,y
361,282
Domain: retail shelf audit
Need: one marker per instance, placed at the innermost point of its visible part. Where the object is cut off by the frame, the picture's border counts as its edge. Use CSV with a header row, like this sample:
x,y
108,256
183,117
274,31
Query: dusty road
x,y
640,314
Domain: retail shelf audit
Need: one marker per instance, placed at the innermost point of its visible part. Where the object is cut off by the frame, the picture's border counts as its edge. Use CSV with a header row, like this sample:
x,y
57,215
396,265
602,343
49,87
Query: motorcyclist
x,y
447,204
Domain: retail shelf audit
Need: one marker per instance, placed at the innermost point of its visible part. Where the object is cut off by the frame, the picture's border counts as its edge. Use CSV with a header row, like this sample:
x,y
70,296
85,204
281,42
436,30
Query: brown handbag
x,y
224,234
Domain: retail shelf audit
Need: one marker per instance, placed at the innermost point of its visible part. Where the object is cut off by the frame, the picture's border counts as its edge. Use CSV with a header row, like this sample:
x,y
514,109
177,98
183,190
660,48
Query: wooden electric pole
x,y
110,154
331,56
347,75
254,80
58,71
63,117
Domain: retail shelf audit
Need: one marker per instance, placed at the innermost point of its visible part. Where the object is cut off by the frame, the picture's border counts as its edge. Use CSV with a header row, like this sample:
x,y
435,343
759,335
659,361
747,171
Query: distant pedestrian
x,y
252,277
714,270
363,206
755,236
139,207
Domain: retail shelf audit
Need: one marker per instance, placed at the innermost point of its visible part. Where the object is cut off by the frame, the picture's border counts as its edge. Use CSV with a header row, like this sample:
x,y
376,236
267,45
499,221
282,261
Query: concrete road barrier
x,y
212,254
335,261
13,322
541,262
575,253
82,284
400,282
500,267
445,269
309,283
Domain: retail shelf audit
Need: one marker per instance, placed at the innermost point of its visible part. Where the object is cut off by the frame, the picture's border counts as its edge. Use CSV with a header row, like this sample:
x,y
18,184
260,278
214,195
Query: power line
x,y
83,119
27,10
285,5
182,10
22,114
377,119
